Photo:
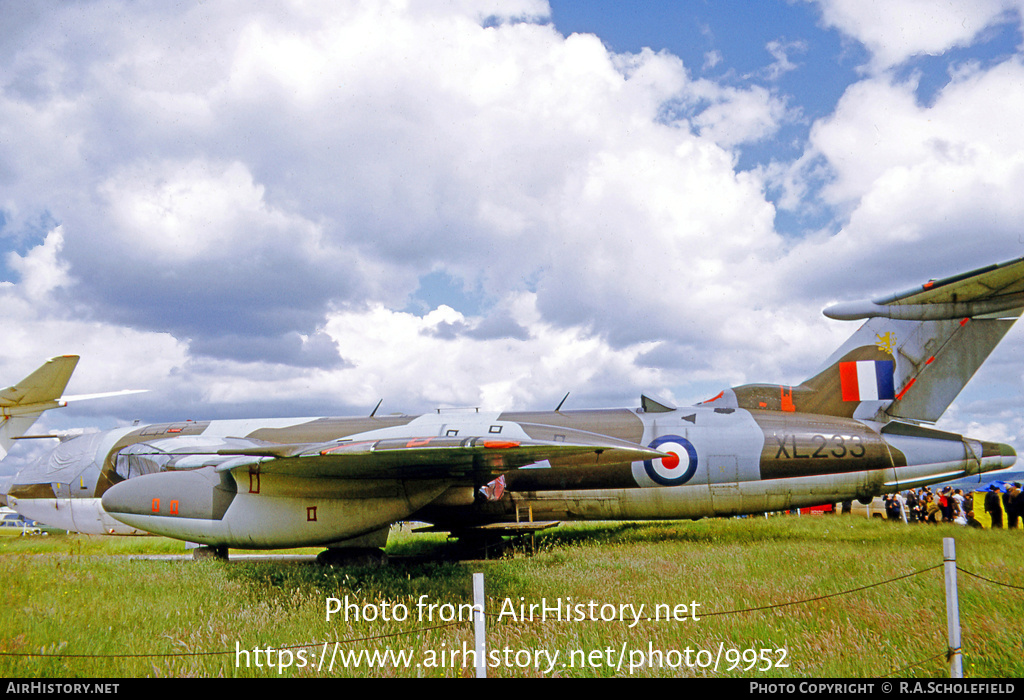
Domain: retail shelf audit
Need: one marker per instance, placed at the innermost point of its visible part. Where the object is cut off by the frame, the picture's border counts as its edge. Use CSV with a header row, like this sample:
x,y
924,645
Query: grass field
x,y
95,612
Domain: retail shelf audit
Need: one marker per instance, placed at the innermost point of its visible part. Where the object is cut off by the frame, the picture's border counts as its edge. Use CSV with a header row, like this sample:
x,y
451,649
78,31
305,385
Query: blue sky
x,y
785,46
283,210
781,46
729,40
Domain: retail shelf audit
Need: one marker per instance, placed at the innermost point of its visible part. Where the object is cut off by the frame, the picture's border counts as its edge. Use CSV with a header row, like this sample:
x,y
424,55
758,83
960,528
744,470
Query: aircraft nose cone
x,y
128,497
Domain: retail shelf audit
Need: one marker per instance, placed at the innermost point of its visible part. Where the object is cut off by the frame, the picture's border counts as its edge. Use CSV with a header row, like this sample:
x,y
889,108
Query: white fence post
x,y
956,667
478,625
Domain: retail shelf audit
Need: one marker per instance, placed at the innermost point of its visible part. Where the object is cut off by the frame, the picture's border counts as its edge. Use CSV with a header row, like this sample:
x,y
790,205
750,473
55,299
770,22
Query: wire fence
x,y
419,630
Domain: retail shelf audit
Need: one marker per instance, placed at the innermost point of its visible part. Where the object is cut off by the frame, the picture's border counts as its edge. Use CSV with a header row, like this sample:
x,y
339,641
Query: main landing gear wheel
x,y
354,556
218,553
478,546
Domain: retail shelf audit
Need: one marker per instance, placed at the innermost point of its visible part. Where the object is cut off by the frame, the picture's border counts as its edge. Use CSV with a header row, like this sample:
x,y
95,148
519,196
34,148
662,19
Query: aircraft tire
x,y
353,556
204,552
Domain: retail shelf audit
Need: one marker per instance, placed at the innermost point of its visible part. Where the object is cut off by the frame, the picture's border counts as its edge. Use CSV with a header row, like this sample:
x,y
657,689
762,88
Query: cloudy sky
x,y
291,208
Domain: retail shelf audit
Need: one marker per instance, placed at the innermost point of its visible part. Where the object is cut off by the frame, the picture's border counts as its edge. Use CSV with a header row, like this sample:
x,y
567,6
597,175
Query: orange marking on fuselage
x,y
500,444
787,399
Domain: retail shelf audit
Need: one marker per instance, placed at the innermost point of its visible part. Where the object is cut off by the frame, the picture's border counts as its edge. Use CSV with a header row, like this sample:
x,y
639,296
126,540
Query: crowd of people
x,y
1012,502
954,506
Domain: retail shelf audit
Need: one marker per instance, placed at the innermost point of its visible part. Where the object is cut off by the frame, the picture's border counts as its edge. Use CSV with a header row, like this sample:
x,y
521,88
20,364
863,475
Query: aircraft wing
x,y
427,457
201,495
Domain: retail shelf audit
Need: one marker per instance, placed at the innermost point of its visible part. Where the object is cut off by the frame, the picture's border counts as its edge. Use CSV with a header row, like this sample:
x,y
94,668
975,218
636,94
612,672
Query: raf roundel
x,y
676,469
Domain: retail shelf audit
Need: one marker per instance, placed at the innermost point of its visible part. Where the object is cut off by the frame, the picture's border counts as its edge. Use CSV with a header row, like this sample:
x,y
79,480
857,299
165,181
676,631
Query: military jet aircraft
x,y
857,428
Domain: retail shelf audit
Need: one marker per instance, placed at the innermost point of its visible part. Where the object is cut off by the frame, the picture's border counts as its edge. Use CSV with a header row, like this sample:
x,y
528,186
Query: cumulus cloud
x,y
920,191
931,184
39,322
246,199
896,30
240,185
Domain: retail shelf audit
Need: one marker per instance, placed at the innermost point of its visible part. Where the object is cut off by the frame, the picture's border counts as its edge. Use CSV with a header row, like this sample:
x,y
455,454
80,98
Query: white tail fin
x,y
22,404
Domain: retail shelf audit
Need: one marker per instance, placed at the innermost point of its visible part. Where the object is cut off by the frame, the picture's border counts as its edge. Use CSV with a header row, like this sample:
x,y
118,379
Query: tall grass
x,y
69,598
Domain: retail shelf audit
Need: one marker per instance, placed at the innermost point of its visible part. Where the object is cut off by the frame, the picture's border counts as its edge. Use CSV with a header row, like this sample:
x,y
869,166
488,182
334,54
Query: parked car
x,y
10,520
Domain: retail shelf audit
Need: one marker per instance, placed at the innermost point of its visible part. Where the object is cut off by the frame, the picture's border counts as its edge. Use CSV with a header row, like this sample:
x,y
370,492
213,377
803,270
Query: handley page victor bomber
x,y
854,429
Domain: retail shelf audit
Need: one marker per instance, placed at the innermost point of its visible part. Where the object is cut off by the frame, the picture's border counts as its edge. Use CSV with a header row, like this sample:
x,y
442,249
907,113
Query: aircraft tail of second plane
x,y
22,404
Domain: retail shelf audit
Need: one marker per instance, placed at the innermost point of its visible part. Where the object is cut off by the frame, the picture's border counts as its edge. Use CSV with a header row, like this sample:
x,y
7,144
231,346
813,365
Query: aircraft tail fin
x,y
921,346
22,404
914,354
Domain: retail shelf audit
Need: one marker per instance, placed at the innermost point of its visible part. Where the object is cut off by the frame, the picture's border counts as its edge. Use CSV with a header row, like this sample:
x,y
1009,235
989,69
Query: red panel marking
x,y
762,404
419,442
720,395
156,505
964,322
899,396
499,444
928,285
671,461
848,381
174,430
930,360
174,507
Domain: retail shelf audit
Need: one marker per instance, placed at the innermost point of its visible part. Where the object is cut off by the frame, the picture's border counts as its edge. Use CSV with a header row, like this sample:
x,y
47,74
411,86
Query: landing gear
x,y
352,556
204,552
480,546
366,550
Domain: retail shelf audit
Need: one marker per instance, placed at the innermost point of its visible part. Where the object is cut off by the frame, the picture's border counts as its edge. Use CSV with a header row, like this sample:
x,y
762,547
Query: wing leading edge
x,y
429,457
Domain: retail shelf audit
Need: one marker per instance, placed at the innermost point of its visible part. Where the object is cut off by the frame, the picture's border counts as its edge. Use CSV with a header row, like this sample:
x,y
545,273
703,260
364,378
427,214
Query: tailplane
x,y
22,404
914,354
